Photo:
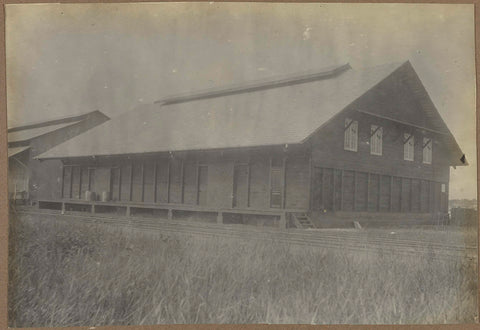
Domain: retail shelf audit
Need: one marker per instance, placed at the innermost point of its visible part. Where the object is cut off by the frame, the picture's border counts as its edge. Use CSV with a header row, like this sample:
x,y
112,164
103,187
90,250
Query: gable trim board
x,y
282,112
16,150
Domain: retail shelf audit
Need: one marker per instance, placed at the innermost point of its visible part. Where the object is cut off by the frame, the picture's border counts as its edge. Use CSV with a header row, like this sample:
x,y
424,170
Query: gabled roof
x,y
16,150
281,111
30,131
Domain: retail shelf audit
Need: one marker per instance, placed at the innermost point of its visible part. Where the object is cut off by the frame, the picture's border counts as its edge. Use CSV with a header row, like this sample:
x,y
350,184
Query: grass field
x,y
70,274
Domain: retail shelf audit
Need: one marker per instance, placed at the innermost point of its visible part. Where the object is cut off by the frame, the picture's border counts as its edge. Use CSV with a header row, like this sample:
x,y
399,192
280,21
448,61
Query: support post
x,y
155,181
170,214
220,218
411,195
92,210
182,183
248,184
379,191
71,183
80,184
197,181
310,183
120,183
128,212
168,181
323,188
63,207
63,181
131,182
270,183
390,207
341,190
143,182
368,192
401,193
284,186
354,190
283,221
334,197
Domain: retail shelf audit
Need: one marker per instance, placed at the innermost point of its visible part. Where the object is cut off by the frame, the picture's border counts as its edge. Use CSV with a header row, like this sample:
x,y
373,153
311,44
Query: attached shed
x,y
29,178
310,149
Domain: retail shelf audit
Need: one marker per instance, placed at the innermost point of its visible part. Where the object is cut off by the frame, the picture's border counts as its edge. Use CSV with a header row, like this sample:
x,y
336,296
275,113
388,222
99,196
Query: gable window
x,y
351,135
408,146
427,150
376,136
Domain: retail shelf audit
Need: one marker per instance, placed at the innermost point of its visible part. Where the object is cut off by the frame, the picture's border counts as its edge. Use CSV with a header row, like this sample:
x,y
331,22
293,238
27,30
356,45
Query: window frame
x,y
427,160
376,144
350,137
409,146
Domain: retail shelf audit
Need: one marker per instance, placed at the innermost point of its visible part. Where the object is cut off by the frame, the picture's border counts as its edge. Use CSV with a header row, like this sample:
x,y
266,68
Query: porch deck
x,y
128,208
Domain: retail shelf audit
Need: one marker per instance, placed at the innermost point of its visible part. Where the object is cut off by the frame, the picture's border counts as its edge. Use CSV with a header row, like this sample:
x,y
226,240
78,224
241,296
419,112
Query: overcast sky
x,y
69,59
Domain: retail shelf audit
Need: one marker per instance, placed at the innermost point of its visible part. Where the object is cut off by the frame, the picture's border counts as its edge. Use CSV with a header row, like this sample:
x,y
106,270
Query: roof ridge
x,y
255,86
51,122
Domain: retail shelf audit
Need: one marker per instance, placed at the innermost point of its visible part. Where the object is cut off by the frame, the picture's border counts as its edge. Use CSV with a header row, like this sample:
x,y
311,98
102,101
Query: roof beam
x,y
402,122
252,87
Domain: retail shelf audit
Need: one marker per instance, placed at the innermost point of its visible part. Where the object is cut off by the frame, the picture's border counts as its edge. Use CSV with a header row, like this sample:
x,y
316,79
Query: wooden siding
x,y
373,192
328,150
190,182
259,183
176,177
125,183
235,182
297,183
245,181
163,181
220,184
241,177
45,176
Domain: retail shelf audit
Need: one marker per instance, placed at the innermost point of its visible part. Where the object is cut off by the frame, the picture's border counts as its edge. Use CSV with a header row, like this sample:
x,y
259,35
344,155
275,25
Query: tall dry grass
x,y
68,274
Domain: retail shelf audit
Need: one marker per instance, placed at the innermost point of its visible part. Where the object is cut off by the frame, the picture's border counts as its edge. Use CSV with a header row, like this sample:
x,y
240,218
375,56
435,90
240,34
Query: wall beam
x,y
390,206
143,181
284,186
155,165
63,181
368,191
334,197
131,182
341,189
80,184
248,184
168,181
354,190
182,183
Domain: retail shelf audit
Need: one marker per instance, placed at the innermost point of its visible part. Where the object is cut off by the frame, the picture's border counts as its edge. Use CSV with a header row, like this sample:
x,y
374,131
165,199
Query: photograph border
x,y
4,165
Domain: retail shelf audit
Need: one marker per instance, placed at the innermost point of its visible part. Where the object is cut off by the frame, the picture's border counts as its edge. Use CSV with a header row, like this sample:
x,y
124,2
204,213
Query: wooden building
x,y
32,179
312,149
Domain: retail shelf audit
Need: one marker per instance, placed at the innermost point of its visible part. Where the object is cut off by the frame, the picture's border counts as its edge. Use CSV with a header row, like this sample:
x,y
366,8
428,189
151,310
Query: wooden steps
x,y
302,220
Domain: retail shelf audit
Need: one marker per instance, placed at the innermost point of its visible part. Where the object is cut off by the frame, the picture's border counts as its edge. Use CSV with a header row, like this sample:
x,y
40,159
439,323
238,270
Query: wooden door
x,y
240,186
202,184
276,187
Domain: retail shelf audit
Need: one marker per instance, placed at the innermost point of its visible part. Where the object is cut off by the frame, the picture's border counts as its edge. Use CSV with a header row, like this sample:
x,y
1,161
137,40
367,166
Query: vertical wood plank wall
x,y
235,184
373,192
225,183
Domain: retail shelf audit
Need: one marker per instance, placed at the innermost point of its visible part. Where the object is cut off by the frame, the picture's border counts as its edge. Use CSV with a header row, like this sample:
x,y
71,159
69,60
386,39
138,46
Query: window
x,y
408,146
376,135
351,134
427,150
